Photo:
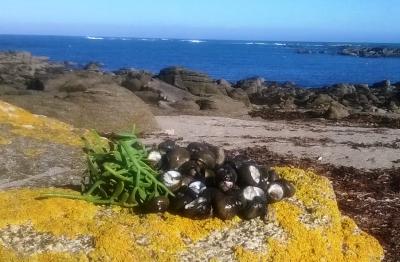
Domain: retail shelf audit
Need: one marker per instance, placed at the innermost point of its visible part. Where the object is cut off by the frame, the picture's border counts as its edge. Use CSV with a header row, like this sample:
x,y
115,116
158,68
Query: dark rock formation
x,y
371,52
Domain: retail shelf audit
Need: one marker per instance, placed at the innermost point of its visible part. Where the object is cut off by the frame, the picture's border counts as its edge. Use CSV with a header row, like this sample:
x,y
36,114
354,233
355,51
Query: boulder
x,y
337,111
306,226
240,95
341,90
88,100
222,106
168,92
196,83
186,106
252,85
135,80
321,101
224,86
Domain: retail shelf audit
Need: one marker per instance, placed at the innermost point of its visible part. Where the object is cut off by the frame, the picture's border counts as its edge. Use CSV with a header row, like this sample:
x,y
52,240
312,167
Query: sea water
x,y
308,64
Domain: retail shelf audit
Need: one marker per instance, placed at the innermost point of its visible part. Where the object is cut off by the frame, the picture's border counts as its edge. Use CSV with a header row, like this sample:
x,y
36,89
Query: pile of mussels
x,y
205,183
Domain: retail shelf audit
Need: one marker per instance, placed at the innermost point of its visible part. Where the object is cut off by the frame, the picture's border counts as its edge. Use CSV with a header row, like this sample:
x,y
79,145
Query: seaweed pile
x,y
196,181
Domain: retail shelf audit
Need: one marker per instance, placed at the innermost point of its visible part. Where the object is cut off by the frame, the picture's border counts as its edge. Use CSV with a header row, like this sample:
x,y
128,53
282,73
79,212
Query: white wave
x,y
94,38
279,44
249,43
125,39
164,39
260,43
194,41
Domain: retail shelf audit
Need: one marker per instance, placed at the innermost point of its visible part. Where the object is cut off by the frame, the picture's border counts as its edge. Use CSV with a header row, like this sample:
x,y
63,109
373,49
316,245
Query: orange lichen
x,y
23,123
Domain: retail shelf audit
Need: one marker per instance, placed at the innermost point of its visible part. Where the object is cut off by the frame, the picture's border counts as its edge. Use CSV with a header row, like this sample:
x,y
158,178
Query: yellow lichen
x,y
114,235
23,123
323,241
4,141
120,235
243,255
32,152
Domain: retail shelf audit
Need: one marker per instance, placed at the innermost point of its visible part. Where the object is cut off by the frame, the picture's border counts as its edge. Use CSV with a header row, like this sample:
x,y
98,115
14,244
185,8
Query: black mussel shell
x,y
172,179
166,146
198,208
219,154
186,180
193,169
206,157
237,161
250,192
196,187
209,177
290,190
226,206
181,198
154,157
254,208
196,147
275,191
268,175
177,157
157,205
249,175
225,178
272,175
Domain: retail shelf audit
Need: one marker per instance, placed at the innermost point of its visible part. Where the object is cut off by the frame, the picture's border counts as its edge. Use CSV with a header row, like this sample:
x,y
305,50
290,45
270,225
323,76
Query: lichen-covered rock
x,y
306,227
37,150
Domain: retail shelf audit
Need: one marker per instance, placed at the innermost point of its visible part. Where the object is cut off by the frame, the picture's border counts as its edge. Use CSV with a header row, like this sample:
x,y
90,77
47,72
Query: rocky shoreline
x,y
28,81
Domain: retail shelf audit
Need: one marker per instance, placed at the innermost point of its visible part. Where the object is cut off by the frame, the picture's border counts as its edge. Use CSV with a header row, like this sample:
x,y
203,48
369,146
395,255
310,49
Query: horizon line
x,y
202,39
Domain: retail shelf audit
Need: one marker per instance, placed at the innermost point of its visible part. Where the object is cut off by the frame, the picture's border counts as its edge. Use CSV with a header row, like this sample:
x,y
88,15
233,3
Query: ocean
x,y
308,64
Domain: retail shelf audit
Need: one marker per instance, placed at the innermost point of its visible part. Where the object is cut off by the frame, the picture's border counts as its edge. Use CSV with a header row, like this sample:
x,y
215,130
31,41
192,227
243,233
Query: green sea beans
x,y
118,173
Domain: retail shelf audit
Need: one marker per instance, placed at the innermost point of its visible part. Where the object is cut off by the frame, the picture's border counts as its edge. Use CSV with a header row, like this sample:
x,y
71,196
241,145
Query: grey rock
x,y
337,111
196,83
240,95
88,100
251,85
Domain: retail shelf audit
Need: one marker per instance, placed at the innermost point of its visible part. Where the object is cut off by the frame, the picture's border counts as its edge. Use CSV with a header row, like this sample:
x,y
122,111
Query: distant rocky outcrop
x,y
371,51
22,71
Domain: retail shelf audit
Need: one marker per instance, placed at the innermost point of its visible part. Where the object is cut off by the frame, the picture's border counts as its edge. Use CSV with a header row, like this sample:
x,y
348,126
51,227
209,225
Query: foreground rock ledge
x,y
308,226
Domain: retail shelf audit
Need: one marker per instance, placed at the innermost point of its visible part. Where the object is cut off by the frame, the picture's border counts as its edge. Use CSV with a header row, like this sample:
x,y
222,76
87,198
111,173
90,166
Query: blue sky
x,y
301,20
